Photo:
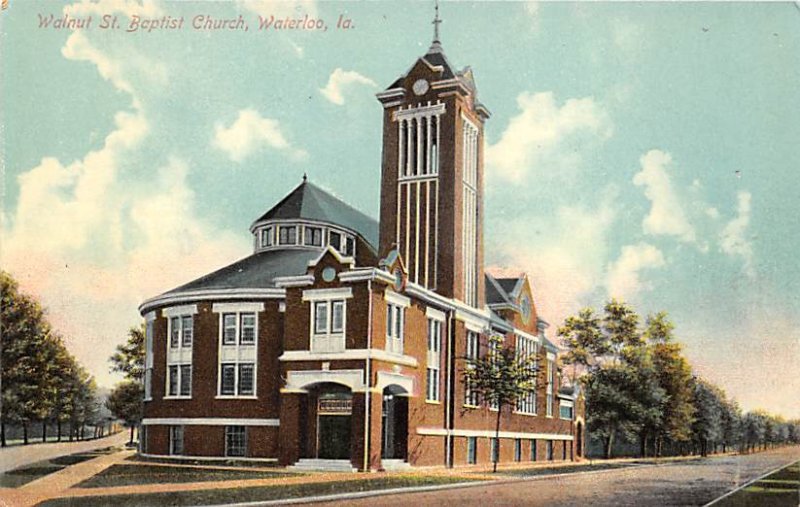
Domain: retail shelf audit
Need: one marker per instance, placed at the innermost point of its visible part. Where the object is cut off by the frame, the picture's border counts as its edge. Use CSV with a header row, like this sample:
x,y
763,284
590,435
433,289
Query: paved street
x,y
21,455
688,483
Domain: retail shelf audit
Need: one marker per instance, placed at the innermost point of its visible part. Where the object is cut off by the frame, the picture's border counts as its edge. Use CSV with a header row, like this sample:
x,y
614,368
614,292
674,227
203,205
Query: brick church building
x,y
341,342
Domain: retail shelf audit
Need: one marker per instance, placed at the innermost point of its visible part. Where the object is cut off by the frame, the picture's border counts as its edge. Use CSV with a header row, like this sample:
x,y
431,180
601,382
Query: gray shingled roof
x,y
254,272
495,293
508,285
310,202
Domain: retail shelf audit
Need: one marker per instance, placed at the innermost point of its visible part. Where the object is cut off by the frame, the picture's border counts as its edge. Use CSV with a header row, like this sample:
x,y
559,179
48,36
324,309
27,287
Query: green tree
x,y
125,402
501,377
674,376
128,359
708,425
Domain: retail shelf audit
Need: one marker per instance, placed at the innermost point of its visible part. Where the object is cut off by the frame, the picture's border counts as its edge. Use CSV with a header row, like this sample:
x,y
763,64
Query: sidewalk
x,y
20,455
57,483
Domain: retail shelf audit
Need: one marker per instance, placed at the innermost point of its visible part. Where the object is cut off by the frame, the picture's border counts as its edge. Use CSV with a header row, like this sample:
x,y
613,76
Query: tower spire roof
x,y
436,45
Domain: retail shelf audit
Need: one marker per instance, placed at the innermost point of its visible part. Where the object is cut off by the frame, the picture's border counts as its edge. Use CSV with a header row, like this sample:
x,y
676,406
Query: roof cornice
x,y
209,294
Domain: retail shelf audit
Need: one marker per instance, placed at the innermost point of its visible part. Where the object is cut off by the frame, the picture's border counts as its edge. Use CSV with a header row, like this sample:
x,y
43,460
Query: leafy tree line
x,y
125,400
640,388
40,381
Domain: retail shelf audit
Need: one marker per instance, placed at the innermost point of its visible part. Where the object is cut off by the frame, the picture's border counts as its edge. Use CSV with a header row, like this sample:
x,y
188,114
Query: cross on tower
x,y
436,22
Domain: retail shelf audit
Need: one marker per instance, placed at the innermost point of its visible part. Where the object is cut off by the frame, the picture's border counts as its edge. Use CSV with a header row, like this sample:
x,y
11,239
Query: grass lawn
x,y
779,489
23,475
253,494
128,475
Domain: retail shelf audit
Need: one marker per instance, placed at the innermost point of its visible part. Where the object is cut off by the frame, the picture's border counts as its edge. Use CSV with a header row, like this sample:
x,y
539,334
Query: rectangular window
x,y
247,334
228,380
188,331
551,378
527,348
394,328
172,381
494,449
564,450
148,361
329,324
312,236
239,335
349,246
533,450
246,379
335,240
175,332
550,456
235,441
518,449
472,450
337,316
287,235
186,379
565,411
176,440
266,237
434,359
471,353
228,328
321,317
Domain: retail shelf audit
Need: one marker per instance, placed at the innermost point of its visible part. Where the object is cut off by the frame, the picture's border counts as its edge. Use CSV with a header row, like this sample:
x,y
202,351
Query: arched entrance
x,y
579,440
333,408
394,423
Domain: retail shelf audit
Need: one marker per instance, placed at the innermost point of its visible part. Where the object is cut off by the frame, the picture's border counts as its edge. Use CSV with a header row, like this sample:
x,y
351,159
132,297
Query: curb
x,y
746,484
419,489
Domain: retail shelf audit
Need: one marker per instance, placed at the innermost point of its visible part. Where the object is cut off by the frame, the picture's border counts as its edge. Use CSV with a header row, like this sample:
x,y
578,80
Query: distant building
x,y
340,342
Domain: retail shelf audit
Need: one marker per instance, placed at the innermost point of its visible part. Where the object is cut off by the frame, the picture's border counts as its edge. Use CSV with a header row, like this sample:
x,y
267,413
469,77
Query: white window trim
x,y
467,392
392,341
396,299
322,294
238,309
178,312
434,358
340,337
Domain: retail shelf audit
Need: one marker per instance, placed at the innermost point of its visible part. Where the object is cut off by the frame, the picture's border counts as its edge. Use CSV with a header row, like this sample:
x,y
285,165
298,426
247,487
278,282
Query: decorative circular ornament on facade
x,y
328,274
420,87
525,307
399,280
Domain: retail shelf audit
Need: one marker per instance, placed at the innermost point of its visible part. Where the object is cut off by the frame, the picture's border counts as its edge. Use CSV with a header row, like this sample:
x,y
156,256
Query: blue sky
x,y
641,150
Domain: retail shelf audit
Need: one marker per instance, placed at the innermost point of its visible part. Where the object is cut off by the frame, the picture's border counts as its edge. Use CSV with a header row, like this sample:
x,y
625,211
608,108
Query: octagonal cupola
x,y
311,218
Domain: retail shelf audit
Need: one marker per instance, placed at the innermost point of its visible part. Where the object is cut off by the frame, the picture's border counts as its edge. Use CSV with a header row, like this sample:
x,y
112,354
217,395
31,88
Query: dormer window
x,y
266,237
287,235
350,246
312,236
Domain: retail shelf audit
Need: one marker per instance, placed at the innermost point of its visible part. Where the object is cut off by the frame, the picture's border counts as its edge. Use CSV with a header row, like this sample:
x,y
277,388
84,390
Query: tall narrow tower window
x,y
418,190
469,143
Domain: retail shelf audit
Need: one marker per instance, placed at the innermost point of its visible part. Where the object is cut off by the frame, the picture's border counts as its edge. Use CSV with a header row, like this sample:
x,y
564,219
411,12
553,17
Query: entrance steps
x,y
391,465
323,465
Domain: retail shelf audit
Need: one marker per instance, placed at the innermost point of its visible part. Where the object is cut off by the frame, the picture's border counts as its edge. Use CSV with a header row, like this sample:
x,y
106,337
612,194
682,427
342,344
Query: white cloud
x,y
624,279
251,132
666,216
539,130
93,237
565,257
733,238
79,48
341,80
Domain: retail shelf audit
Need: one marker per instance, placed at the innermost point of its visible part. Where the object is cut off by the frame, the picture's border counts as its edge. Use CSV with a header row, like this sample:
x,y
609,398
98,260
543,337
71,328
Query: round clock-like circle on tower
x,y
420,87
399,280
525,306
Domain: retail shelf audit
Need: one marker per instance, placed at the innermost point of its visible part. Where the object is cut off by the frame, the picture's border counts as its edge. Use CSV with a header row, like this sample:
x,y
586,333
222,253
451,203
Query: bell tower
x,y
432,175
